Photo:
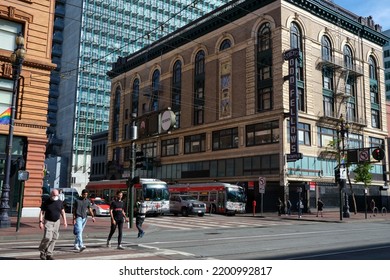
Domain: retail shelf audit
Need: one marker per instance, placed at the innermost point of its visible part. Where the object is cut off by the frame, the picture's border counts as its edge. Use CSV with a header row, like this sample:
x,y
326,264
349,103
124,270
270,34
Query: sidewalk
x,y
329,215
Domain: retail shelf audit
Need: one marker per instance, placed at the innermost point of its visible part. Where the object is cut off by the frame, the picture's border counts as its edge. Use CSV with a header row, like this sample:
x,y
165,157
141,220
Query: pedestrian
x,y
81,206
320,206
280,206
52,210
140,217
300,207
372,207
118,216
289,206
61,194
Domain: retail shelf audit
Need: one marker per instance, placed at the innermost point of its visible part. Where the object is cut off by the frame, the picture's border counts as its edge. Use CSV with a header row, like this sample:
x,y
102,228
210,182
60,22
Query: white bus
x,y
219,197
153,191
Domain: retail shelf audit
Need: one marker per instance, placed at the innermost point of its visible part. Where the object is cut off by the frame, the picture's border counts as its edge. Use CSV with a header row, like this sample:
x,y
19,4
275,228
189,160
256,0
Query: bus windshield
x,y
236,195
156,192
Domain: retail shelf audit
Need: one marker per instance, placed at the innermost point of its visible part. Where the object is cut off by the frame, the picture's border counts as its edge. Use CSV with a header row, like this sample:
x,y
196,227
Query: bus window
x,y
203,197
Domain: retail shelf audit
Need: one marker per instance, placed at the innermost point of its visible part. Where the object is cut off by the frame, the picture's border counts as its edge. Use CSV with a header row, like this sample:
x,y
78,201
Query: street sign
x,y
262,183
364,155
343,173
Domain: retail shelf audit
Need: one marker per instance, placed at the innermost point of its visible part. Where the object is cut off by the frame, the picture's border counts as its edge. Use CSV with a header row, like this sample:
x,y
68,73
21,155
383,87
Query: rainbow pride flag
x,y
5,117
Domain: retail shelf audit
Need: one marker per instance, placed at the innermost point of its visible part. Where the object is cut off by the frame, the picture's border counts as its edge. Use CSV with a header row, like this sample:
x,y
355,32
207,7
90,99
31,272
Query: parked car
x,y
186,204
100,207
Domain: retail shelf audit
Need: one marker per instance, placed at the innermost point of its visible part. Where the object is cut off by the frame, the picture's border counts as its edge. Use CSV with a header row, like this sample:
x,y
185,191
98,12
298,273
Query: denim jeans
x,y
79,227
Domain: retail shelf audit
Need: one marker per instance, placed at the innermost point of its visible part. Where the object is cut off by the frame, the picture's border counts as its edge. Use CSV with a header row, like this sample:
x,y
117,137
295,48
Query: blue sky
x,y
378,9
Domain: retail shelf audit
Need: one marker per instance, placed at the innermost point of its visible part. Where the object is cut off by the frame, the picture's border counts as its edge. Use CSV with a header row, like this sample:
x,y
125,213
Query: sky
x,y
378,9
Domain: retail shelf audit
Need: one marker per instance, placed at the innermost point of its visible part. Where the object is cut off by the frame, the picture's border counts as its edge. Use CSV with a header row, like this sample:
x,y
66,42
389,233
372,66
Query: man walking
x,y
81,206
140,218
118,216
49,219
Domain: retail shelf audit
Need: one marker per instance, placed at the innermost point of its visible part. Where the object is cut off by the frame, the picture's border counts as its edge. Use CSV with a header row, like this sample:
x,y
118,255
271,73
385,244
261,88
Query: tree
x,y
363,174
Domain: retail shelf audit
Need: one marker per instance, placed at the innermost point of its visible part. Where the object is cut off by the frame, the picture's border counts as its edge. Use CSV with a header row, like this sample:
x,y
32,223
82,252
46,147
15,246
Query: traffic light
x,y
139,160
378,153
337,175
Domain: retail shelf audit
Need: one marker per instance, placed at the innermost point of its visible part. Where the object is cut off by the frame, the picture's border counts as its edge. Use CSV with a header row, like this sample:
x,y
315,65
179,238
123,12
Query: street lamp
x,y
16,59
342,131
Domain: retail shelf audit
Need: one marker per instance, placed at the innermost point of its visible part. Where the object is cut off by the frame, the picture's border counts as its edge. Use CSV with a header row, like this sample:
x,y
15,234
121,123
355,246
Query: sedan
x,y
100,207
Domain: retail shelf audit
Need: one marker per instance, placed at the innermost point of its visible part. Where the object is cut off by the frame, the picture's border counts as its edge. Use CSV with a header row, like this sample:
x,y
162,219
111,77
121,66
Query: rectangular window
x,y
375,142
328,106
304,133
6,87
225,139
8,32
264,99
326,136
262,133
354,141
375,118
195,143
170,147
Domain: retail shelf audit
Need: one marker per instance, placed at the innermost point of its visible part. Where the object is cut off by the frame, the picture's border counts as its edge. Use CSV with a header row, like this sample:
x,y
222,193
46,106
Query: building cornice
x,y
342,18
231,12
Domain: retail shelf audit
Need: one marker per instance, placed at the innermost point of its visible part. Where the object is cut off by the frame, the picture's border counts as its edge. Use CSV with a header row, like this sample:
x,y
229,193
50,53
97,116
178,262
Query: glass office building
x,y
89,35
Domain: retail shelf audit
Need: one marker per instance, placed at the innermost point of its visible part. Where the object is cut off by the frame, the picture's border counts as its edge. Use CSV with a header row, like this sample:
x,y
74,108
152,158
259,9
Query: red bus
x,y
219,197
153,191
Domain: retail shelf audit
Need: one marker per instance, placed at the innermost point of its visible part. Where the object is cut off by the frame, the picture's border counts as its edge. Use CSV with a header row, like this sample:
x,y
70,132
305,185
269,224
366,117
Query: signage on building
x,y
168,120
291,56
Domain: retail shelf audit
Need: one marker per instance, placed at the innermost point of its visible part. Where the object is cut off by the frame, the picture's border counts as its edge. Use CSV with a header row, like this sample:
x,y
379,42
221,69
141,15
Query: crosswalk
x,y
211,222
135,249
96,250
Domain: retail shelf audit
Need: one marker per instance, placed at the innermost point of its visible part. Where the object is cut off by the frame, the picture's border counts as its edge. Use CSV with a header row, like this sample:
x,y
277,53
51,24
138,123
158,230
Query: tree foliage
x,y
363,173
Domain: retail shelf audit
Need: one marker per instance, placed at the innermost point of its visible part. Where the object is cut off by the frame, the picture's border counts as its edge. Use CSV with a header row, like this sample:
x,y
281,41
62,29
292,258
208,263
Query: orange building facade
x,y
34,21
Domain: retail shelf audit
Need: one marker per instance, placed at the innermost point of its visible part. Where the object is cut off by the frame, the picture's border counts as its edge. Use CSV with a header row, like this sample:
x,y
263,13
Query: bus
x,y
153,191
222,198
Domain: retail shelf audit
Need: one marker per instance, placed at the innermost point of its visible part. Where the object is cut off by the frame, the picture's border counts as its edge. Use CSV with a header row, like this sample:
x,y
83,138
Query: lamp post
x,y
342,131
16,59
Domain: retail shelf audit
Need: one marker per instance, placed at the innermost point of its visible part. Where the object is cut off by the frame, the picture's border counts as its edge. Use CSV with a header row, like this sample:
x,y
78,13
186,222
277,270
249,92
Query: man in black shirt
x,y
81,206
49,219
118,216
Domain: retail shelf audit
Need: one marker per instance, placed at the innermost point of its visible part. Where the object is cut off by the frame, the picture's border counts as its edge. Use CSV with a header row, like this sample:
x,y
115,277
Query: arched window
x,y
155,90
199,85
264,68
348,58
374,93
176,91
264,37
115,115
135,96
350,85
372,63
225,45
295,37
296,43
326,49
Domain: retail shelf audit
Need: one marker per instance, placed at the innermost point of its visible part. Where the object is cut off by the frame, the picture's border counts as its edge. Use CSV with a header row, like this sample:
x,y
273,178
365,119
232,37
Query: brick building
x,y
226,79
34,20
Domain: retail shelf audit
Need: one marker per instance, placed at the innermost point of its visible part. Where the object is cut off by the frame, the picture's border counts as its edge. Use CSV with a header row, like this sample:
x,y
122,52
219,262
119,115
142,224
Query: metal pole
x,y
18,57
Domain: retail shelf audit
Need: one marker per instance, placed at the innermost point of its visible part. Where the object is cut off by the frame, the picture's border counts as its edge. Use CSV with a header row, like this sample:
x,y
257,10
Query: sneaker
x,y
142,234
108,244
49,257
77,248
120,247
82,248
42,256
